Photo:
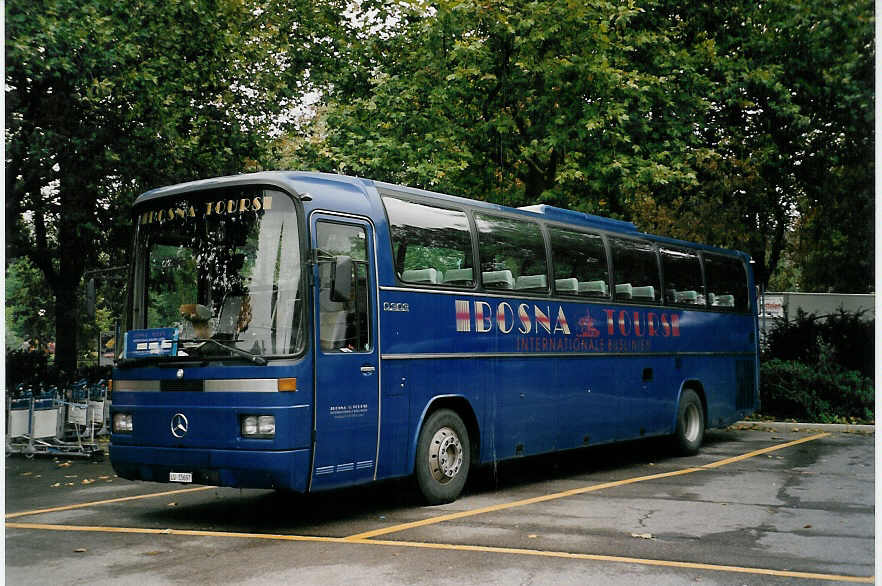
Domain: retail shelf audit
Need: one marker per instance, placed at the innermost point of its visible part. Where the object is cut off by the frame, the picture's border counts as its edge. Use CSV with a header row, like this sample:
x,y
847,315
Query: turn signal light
x,y
288,384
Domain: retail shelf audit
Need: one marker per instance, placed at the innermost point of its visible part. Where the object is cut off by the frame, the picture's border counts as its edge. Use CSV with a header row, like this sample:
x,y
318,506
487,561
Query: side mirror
x,y
341,279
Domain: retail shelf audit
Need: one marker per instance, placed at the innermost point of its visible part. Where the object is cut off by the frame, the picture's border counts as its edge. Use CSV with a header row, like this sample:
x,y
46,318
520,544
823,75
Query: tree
x,y
514,102
789,134
733,124
29,307
105,99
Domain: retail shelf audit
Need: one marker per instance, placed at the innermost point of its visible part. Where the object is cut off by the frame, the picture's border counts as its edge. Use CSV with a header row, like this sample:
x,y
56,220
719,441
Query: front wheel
x,y
690,423
443,457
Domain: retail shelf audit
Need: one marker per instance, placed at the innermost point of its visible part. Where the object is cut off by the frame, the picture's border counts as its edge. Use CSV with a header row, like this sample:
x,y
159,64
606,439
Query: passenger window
x,y
682,272
512,254
726,282
344,326
579,261
432,245
636,271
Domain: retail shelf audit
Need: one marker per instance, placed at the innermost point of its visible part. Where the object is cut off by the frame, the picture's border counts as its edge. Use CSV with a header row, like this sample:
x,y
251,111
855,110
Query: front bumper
x,y
288,470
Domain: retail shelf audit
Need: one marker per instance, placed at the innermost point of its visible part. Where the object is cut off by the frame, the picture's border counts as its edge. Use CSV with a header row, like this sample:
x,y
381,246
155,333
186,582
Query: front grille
x,y
196,386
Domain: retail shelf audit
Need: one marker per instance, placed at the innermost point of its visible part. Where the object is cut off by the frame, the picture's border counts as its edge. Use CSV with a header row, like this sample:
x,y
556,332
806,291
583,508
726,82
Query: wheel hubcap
x,y
692,423
445,455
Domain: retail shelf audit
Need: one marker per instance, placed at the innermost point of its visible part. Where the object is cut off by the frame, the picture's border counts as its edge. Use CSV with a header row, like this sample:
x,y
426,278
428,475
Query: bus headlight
x,y
258,426
122,423
266,425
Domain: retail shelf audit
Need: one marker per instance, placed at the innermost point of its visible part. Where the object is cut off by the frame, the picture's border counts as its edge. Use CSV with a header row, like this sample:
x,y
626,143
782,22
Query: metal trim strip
x,y
242,385
137,386
231,385
464,355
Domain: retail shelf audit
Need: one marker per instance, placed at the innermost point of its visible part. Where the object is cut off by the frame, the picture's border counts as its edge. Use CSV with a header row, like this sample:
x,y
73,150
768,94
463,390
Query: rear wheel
x,y
690,423
443,457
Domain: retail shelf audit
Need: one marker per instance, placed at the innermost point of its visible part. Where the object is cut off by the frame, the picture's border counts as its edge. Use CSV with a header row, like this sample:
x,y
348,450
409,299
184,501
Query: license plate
x,y
180,477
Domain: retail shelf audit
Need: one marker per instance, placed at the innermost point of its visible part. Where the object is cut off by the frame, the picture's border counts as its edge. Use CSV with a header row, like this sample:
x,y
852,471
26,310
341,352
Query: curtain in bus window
x,y
288,299
636,270
512,254
265,267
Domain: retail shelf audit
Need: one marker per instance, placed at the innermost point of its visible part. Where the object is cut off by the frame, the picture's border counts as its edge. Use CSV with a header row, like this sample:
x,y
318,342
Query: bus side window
x,y
635,269
512,253
682,272
579,261
432,245
344,326
726,282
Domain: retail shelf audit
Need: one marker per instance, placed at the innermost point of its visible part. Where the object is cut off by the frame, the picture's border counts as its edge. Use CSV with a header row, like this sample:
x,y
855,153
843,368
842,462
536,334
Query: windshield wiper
x,y
255,358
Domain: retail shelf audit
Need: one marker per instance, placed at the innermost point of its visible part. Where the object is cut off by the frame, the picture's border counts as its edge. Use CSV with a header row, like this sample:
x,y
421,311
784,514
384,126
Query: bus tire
x,y
690,424
443,457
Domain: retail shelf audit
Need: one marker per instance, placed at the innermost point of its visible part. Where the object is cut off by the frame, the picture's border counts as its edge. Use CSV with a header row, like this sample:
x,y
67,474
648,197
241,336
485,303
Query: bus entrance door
x,y
346,358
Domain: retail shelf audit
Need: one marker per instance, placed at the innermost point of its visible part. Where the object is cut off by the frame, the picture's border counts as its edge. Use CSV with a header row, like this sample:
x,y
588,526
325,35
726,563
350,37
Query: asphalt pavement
x,y
755,506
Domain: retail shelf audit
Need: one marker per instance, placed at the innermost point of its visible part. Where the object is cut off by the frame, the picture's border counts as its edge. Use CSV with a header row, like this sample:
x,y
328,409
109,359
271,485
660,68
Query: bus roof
x,y
291,181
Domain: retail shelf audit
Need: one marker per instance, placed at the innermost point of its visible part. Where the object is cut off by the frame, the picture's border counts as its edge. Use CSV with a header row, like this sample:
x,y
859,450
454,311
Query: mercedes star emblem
x,y
179,425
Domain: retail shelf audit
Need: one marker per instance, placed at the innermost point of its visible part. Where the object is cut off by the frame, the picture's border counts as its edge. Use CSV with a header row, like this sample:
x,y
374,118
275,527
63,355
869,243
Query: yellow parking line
x,y
719,463
455,547
108,501
513,504
573,492
190,532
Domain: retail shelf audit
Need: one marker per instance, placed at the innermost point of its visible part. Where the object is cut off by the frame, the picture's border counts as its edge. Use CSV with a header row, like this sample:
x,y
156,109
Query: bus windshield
x,y
222,270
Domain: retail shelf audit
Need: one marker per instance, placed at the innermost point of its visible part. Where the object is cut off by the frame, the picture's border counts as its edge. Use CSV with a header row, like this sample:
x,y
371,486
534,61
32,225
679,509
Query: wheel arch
x,y
459,405
698,388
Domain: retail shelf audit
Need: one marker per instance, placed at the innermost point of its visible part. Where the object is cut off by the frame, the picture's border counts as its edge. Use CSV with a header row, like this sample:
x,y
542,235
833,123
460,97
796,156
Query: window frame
x,y
545,246
436,203
748,310
660,246
372,333
653,244
606,259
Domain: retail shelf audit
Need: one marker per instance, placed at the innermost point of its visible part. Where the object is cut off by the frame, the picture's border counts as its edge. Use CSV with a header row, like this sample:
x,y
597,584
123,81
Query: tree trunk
x,y
66,326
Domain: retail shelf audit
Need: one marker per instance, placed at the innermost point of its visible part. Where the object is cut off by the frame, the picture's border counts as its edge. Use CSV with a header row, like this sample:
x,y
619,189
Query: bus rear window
x,y
726,282
432,245
636,271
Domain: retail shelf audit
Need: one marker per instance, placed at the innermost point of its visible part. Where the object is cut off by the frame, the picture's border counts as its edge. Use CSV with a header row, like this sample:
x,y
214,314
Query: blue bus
x,y
306,331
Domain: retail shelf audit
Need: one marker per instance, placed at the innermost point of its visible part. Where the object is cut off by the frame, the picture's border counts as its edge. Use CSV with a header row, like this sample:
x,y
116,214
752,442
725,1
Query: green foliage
x,y
820,369
30,368
728,123
105,99
844,339
34,370
795,390
30,306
